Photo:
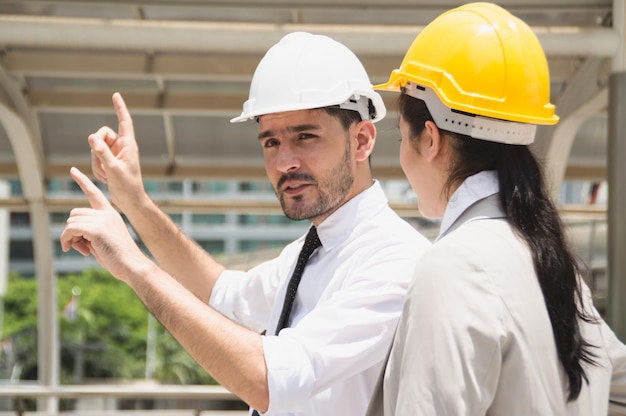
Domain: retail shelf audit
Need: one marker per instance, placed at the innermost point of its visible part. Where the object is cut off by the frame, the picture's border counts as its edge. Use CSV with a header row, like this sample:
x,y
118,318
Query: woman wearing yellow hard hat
x,y
497,319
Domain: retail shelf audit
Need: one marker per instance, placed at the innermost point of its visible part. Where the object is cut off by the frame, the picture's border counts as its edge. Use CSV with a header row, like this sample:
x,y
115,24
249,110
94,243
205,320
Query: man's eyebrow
x,y
292,129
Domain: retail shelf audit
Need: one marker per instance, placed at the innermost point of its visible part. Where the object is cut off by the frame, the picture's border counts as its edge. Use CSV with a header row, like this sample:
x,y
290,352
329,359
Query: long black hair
x,y
534,217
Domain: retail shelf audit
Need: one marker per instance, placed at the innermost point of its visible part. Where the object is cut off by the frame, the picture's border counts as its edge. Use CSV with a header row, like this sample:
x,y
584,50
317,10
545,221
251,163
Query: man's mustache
x,y
294,177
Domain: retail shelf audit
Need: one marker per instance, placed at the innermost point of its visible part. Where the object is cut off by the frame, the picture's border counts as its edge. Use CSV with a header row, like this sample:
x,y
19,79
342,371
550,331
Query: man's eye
x,y
306,136
270,143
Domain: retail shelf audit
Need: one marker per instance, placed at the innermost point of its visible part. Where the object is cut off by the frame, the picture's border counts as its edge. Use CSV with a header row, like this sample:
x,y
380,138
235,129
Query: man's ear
x,y
365,135
433,143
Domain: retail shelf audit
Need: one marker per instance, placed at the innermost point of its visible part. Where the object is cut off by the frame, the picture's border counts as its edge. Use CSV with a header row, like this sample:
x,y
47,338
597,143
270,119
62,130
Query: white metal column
x,y
616,307
30,167
616,172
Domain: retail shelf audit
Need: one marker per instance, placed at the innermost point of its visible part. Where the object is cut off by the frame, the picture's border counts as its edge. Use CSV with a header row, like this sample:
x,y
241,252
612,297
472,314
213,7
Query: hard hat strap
x,y
478,127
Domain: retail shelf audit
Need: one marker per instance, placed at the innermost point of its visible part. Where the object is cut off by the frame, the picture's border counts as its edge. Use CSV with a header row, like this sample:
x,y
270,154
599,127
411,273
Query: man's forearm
x,y
175,252
232,354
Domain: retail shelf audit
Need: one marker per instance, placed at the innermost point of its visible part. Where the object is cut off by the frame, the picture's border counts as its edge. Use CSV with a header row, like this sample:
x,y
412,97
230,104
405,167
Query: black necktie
x,y
311,242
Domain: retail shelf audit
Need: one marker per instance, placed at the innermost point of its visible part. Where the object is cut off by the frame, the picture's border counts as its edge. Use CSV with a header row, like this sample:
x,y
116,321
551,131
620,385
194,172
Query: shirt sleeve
x,y
346,334
247,297
446,354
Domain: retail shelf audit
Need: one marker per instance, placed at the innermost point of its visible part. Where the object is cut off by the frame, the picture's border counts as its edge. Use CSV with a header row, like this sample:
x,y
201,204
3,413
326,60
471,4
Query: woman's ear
x,y
433,142
365,134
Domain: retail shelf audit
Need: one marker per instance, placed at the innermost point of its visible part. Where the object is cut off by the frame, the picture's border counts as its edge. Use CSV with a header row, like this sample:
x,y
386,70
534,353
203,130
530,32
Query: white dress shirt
x,y
345,312
475,338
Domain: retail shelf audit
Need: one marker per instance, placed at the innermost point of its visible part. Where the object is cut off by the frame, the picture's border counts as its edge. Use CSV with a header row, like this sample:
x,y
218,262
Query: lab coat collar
x,y
473,189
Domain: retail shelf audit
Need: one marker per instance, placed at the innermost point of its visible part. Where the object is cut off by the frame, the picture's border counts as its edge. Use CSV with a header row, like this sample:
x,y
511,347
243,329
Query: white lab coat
x,y
475,338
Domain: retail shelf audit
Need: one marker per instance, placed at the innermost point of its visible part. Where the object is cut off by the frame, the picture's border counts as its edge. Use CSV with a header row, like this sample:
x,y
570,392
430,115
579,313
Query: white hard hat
x,y
305,71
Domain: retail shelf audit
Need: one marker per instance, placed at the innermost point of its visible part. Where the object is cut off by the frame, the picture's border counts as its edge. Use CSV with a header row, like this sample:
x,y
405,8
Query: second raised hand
x,y
101,231
115,157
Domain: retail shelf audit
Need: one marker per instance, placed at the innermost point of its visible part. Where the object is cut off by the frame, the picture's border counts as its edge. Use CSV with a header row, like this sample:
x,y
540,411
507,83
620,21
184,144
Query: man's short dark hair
x,y
345,117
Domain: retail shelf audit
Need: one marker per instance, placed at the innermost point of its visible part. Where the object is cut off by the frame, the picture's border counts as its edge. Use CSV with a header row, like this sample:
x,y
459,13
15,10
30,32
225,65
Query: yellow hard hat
x,y
480,59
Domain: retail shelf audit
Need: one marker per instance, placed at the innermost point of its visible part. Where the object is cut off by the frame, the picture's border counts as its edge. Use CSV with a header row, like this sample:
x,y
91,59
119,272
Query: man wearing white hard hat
x,y
302,334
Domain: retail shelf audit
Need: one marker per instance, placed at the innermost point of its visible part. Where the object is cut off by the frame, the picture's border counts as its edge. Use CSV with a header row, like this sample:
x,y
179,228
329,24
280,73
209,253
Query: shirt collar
x,y
339,225
474,188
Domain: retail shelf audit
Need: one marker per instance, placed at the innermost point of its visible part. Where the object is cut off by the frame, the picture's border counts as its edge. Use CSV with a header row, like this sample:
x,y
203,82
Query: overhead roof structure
x,y
184,68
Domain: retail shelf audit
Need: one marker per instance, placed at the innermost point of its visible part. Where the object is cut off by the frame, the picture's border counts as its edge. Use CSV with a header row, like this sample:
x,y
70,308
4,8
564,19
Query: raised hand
x,y
115,158
101,231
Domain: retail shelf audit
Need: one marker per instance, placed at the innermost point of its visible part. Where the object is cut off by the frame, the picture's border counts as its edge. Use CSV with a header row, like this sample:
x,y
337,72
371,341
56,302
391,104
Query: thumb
x,y
99,147
96,198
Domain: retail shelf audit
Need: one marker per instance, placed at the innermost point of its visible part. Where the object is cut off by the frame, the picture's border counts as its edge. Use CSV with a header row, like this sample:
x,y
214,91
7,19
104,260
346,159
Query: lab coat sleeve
x,y
448,344
617,355
612,357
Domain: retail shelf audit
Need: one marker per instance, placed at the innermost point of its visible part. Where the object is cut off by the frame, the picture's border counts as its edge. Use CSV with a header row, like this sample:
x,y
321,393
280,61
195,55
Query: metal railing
x,y
192,399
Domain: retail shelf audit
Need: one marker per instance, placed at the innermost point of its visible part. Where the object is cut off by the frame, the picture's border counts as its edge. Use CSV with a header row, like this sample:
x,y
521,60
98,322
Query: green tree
x,y
19,329
103,331
108,328
174,365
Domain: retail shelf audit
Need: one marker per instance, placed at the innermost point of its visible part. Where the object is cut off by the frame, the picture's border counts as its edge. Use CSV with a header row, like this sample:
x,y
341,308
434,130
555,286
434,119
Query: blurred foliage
x,y
104,337
175,365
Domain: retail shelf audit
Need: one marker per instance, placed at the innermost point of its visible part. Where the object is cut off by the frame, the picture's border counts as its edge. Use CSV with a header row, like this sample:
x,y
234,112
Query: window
x,y
58,217
212,246
20,219
210,187
252,245
21,250
208,219
255,219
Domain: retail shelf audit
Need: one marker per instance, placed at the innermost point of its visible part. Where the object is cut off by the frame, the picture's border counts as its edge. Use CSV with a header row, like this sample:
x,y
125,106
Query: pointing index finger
x,y
125,122
97,199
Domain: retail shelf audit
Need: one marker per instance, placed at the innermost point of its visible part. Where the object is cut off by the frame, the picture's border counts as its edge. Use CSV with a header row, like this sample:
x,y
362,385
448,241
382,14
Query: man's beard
x,y
332,191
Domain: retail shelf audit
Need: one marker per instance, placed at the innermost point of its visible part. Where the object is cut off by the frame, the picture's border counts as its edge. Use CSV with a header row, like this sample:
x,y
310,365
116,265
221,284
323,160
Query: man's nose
x,y
288,160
